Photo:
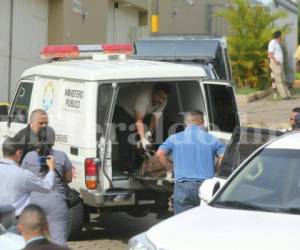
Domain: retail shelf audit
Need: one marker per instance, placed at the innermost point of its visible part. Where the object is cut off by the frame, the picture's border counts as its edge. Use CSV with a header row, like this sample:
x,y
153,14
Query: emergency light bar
x,y
67,51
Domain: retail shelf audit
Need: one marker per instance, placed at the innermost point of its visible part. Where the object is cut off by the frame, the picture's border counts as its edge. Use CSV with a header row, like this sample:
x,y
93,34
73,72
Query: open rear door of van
x,y
221,108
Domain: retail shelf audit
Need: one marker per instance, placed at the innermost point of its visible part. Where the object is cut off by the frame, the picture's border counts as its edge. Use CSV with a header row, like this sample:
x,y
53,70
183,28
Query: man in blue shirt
x,y
193,152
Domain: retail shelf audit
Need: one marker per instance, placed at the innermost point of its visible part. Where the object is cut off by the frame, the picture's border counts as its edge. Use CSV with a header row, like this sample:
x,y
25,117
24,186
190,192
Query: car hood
x,y
212,228
10,241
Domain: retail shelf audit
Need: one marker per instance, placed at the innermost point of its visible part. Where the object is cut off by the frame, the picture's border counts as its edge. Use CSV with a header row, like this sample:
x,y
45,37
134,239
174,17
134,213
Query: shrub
x,y
251,28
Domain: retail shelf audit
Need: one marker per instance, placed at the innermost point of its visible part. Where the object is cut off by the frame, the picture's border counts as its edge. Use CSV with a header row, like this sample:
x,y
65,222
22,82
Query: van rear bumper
x,y
94,198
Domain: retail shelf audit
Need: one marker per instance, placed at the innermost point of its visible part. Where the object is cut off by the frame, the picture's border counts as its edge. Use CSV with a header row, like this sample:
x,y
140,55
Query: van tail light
x,y
67,51
91,173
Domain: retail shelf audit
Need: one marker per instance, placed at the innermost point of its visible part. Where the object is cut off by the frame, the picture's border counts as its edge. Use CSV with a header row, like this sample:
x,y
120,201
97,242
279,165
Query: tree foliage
x,y
251,28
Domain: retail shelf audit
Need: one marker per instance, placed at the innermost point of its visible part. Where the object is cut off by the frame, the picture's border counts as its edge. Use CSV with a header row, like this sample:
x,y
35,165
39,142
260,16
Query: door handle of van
x,y
74,151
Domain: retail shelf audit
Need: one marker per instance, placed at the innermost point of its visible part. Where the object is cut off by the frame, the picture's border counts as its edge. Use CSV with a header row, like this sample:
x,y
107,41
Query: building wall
x,y
29,34
94,21
123,23
78,21
188,16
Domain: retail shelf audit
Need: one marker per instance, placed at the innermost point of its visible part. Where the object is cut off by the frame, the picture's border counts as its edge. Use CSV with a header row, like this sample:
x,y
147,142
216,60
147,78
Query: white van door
x,y
221,108
107,94
19,111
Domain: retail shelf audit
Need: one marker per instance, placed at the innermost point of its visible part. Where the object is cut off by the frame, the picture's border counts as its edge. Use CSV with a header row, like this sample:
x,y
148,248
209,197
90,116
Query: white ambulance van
x,y
80,94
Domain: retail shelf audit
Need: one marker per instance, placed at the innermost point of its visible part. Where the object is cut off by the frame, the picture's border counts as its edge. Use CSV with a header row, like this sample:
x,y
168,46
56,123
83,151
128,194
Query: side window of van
x,y
104,98
20,106
222,107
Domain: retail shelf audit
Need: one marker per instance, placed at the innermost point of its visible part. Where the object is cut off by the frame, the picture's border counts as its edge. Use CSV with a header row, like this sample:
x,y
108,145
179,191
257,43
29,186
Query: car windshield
x,y
269,182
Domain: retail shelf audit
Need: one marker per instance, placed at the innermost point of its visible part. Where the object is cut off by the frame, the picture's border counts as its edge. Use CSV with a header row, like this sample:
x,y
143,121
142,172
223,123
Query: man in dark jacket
x,y
28,135
34,228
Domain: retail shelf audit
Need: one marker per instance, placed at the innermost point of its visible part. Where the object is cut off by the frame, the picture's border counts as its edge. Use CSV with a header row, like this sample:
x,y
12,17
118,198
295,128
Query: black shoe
x,y
286,98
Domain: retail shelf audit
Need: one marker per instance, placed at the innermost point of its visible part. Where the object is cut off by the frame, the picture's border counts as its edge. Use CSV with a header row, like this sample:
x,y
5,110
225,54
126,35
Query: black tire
x,y
76,219
138,211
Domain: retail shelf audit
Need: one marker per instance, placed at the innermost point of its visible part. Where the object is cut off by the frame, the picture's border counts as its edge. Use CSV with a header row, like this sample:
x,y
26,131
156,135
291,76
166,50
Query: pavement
x,y
269,112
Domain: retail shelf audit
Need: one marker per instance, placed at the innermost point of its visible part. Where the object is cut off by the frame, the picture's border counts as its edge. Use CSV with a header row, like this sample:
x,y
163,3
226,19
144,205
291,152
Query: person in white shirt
x,y
16,184
137,111
276,57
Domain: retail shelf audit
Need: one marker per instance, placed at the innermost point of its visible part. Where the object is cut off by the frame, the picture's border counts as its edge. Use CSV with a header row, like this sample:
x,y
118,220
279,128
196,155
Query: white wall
x,y
30,33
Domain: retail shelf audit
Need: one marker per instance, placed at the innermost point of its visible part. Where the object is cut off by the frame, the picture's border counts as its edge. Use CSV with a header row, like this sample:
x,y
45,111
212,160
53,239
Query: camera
x,y
46,138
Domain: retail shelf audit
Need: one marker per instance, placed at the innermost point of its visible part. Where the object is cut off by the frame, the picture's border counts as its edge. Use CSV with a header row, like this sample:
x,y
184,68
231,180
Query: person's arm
x,y
163,160
219,149
218,164
45,184
164,149
139,124
272,58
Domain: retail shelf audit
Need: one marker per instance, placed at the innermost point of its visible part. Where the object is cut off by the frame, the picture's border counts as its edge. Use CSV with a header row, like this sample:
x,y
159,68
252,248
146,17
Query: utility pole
x,y
155,17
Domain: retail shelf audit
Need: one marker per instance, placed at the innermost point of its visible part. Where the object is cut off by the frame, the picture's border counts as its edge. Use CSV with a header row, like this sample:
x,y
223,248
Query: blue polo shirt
x,y
193,152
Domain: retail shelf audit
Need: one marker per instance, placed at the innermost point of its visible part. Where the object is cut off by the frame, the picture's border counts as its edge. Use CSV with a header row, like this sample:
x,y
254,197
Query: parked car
x,y
257,207
9,240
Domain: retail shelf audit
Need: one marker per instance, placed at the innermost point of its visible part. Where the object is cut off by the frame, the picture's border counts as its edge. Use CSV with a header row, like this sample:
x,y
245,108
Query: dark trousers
x,y
186,195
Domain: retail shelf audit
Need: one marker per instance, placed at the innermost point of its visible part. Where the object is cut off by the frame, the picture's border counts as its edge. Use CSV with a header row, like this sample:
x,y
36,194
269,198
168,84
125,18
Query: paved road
x,y
113,231
267,112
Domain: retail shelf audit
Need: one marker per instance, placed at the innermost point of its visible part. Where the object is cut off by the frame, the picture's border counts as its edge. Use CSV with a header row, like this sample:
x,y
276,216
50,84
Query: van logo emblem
x,y
48,96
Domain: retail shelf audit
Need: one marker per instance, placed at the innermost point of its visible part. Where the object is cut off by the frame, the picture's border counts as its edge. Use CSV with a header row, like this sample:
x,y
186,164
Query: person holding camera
x,y
54,203
16,184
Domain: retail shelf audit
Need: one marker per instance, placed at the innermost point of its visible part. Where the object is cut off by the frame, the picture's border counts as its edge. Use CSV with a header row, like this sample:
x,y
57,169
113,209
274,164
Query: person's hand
x,y
145,143
50,162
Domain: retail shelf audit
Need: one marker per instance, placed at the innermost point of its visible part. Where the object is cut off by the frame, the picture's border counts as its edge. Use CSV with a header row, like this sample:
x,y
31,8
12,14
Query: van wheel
x,y
76,217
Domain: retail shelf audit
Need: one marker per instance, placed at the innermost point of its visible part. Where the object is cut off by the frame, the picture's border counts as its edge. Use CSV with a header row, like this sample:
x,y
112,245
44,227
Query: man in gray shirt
x,y
16,184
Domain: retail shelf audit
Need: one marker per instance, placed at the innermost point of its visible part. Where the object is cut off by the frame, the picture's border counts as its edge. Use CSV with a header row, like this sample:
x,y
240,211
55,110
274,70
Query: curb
x,y
254,96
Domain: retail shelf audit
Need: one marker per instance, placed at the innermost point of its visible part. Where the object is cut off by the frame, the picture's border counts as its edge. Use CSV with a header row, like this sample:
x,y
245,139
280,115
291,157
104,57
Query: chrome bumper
x,y
95,198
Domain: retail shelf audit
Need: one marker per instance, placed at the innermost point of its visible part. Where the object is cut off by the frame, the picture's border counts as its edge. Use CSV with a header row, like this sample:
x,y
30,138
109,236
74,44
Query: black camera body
x,y
44,151
46,137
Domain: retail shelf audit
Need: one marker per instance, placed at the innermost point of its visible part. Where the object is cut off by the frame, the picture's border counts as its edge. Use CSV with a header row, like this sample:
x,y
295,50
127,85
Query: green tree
x,y
251,27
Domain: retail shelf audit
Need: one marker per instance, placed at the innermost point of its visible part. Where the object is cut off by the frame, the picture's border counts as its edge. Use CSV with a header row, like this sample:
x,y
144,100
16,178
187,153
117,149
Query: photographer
x,y
16,184
53,203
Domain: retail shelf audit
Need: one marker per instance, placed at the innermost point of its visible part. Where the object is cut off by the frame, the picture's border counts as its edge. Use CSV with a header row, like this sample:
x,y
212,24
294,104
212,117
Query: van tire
x,y
76,218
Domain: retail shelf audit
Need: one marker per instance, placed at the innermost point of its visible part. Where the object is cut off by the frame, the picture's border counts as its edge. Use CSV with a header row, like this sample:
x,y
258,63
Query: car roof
x,y
94,70
287,141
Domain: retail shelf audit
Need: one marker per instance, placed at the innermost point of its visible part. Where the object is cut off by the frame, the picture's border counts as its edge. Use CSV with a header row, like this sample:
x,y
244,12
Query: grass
x,y
297,76
245,91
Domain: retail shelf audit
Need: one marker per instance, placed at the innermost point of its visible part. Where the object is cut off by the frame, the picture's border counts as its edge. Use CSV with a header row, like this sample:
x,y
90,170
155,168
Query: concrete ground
x,y
269,112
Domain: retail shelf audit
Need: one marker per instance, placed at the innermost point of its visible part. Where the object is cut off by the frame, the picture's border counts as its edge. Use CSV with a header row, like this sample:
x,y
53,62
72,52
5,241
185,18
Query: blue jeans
x,y
186,195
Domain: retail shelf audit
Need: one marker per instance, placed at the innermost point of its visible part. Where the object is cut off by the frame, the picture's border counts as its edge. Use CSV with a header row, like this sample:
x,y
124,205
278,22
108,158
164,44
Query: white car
x,y
257,208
